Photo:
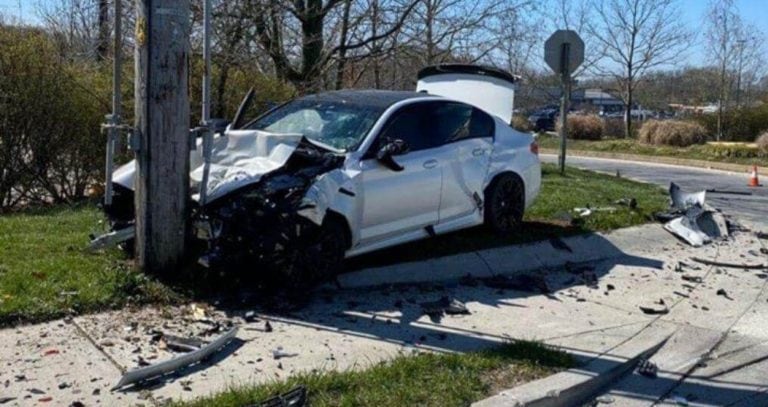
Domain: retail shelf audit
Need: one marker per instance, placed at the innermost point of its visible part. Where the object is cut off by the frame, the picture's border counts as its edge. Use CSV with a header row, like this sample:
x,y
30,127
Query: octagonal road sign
x,y
553,50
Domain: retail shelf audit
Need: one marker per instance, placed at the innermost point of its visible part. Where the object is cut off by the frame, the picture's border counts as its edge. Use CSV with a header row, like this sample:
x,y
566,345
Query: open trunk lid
x,y
490,89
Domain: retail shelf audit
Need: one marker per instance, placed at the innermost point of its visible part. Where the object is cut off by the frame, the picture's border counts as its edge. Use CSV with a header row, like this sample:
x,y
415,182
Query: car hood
x,y
238,158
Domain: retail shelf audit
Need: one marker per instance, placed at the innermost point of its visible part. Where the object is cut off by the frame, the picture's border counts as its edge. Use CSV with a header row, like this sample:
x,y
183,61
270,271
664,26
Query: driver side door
x,y
397,202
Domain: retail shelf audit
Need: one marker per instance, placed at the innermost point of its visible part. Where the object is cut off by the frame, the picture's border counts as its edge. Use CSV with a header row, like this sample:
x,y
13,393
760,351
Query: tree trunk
x,y
102,46
311,46
162,123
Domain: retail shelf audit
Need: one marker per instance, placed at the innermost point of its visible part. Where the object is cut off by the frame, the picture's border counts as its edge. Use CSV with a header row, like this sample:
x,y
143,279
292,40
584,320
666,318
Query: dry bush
x,y
520,123
584,127
675,133
613,128
762,143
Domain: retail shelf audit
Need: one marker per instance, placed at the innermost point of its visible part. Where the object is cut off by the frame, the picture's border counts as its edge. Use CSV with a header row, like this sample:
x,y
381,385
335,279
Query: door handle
x,y
430,164
478,152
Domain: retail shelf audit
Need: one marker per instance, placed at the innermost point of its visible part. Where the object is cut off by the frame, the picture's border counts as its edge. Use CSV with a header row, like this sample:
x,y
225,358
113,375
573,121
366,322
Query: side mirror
x,y
390,149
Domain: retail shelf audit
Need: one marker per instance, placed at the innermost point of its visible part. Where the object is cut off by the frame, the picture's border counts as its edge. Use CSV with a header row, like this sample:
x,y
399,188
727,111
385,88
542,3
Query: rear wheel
x,y
504,204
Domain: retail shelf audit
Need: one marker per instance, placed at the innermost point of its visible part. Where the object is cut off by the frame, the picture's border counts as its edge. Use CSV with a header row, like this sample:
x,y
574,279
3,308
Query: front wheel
x,y
318,256
504,204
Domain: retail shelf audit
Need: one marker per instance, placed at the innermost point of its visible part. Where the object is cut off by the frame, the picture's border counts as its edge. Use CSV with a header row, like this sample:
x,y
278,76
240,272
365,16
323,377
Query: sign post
x,y
564,52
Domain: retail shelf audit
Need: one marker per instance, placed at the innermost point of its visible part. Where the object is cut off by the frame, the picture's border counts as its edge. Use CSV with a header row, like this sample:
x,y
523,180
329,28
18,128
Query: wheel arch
x,y
332,215
500,174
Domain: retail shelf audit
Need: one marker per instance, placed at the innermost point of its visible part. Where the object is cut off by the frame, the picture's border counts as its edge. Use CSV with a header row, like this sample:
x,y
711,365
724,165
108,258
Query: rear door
x,y
465,134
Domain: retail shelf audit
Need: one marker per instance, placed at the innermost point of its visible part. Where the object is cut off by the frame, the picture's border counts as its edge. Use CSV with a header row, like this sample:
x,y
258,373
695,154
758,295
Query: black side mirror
x,y
390,149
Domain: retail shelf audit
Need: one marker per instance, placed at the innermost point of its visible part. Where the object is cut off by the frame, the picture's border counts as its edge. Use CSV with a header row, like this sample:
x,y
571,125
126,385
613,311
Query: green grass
x,y
547,218
726,153
45,272
421,380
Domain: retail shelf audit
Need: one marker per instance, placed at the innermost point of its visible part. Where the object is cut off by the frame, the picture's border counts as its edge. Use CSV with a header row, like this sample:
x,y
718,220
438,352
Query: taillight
x,y
535,147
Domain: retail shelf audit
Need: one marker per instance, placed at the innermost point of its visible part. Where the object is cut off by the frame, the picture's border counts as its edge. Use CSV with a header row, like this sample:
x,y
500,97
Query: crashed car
x,y
334,175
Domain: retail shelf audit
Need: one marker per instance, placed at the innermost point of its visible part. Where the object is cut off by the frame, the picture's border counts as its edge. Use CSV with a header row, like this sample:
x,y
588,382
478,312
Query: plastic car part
x,y
168,366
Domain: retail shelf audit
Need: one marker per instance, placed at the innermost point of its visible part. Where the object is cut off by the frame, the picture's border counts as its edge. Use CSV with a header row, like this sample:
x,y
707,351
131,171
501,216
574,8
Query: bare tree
x,y
722,38
303,37
637,35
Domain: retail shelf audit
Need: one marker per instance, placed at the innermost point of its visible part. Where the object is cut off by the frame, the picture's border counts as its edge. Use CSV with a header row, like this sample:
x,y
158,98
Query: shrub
x,y
739,124
520,123
672,133
584,127
762,143
613,128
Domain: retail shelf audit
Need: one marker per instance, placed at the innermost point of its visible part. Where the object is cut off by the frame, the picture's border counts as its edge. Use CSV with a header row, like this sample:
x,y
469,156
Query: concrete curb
x,y
685,162
513,259
580,385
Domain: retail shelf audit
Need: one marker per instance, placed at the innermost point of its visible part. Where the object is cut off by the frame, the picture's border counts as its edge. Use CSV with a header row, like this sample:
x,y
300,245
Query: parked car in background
x,y
543,119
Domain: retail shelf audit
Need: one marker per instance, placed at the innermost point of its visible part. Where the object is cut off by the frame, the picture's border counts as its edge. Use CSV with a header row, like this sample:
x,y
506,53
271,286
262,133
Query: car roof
x,y
381,99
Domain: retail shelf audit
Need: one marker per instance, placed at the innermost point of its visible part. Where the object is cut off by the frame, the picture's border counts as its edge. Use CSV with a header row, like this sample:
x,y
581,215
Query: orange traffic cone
x,y
753,180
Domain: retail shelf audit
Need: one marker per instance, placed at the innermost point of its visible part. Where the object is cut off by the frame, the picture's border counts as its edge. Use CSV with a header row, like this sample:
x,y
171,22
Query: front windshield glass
x,y
339,125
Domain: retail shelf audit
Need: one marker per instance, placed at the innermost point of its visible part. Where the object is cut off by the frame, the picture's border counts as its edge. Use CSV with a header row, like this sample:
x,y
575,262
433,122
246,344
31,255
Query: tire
x,y
505,204
319,257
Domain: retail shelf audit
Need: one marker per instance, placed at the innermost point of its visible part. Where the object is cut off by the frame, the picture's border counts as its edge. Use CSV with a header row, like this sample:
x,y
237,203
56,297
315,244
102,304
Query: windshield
x,y
339,125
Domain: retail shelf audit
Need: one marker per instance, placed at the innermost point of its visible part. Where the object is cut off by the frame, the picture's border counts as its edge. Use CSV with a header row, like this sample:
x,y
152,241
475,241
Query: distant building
x,y
581,99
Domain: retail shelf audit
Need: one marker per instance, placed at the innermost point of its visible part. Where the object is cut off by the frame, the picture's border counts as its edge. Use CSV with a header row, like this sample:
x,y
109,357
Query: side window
x,y
450,122
409,124
482,124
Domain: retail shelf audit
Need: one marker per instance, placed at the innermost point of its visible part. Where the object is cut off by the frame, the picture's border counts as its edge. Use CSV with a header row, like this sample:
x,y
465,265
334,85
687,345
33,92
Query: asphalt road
x,y
751,209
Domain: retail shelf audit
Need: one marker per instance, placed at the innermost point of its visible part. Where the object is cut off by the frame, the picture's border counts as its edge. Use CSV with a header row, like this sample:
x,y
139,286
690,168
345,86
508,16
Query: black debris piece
x,y
731,265
267,327
77,404
721,292
296,397
630,202
655,310
4,400
648,369
35,391
610,287
692,279
444,305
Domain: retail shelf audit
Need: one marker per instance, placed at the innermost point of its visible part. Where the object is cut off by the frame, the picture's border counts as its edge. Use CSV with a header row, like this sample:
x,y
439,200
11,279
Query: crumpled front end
x,y
266,194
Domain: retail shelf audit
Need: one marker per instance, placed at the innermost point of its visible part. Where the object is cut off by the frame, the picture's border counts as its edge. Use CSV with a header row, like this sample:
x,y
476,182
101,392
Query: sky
x,y
693,11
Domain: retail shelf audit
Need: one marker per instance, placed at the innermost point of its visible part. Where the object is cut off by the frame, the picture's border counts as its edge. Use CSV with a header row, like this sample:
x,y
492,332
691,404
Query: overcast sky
x,y
753,11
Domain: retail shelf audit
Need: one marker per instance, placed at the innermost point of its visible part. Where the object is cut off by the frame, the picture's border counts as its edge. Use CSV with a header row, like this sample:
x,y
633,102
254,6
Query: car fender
x,y
512,153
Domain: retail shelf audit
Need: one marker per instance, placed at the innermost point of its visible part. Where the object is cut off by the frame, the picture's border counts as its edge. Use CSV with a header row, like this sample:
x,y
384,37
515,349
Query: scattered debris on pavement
x,y
730,265
691,219
721,292
654,309
143,373
280,353
648,369
445,305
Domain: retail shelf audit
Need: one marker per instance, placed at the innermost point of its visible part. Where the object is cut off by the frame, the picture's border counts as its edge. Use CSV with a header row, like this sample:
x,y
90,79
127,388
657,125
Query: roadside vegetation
x,y
727,152
46,274
425,379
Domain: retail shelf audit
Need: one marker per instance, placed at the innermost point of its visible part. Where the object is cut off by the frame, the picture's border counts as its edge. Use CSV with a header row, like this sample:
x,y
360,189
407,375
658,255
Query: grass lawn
x,y
45,273
421,380
735,153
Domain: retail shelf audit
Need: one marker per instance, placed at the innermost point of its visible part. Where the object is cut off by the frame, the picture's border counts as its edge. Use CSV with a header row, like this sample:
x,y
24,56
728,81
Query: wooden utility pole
x,y
162,126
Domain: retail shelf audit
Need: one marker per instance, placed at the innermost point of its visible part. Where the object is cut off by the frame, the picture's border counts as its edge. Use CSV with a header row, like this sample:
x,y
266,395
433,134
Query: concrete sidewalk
x,y
591,311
